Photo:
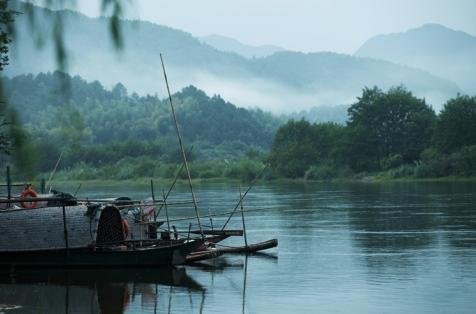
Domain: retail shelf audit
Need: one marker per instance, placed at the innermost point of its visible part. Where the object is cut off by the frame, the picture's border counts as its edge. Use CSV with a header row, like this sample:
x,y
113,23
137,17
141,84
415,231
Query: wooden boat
x,y
79,236
119,256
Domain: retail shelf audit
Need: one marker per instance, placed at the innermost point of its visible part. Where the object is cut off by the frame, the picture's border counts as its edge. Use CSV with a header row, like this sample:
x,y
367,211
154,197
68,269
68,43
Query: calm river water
x,y
343,248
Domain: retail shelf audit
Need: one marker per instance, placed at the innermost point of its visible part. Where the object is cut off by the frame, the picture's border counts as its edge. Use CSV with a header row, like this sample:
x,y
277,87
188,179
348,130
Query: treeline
x,y
111,134
99,129
393,134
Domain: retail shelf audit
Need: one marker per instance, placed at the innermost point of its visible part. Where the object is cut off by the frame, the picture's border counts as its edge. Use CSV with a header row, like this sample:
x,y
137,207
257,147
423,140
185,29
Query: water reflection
x,y
91,291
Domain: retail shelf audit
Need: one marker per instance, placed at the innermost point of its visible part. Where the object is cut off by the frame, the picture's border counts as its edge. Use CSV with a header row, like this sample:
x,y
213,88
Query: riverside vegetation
x,y
116,135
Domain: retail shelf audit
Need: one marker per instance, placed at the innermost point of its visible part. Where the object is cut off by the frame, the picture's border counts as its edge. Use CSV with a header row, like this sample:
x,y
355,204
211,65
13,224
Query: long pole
x,y
216,215
9,184
177,175
153,196
243,220
166,214
244,285
65,227
243,196
52,174
182,149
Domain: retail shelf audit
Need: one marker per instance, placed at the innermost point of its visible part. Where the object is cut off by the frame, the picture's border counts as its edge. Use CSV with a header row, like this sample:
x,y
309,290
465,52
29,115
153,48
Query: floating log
x,y
251,248
202,255
198,256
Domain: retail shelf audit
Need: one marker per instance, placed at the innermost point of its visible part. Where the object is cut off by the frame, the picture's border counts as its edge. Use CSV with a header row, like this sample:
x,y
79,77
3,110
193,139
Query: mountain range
x,y
228,44
284,81
434,48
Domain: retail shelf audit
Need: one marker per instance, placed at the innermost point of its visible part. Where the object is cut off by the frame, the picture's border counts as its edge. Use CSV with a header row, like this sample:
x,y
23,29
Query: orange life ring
x,y
29,192
125,228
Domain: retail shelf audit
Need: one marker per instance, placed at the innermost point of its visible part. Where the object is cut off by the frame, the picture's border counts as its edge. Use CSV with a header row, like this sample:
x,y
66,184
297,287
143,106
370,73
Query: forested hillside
x,y
96,126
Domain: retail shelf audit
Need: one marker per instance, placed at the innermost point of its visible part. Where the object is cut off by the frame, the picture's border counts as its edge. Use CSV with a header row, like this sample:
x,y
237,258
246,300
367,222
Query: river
x,y
343,248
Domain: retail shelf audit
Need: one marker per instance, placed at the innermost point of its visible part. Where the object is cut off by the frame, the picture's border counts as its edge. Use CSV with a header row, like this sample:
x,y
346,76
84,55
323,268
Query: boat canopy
x,y
43,228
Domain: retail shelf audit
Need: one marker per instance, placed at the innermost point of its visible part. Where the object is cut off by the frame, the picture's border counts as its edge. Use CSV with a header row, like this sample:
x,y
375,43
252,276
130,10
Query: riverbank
x,y
165,182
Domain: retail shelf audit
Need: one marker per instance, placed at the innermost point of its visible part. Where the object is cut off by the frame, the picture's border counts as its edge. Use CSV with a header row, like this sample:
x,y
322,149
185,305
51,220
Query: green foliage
x,y
5,142
100,127
327,171
391,161
299,144
292,151
459,163
244,169
387,131
6,24
15,138
456,126
402,171
384,124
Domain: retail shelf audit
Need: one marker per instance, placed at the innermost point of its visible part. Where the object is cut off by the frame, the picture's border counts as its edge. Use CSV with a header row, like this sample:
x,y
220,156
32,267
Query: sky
x,y
302,25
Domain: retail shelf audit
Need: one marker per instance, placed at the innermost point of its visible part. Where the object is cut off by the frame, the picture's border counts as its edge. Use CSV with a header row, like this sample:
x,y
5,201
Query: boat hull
x,y
148,256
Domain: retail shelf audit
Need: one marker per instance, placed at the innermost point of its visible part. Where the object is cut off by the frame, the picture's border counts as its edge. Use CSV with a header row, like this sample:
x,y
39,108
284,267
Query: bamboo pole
x,y
43,186
244,285
215,215
210,216
60,199
65,229
182,149
153,196
243,220
166,214
9,184
77,190
48,183
243,196
177,175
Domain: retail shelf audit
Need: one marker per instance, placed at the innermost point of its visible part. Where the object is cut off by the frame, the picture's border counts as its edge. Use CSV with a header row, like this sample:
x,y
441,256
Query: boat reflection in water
x,y
91,290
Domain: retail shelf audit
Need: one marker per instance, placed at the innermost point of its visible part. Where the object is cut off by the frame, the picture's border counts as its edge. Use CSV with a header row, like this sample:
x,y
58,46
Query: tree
x,y
12,136
119,91
6,20
298,145
456,124
292,150
385,124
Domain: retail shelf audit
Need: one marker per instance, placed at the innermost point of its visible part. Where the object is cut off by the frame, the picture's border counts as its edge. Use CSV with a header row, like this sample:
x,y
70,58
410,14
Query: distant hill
x,y
282,82
228,44
89,114
434,48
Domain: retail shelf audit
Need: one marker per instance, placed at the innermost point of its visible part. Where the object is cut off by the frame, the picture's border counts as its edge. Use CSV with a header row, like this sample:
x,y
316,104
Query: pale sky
x,y
304,25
